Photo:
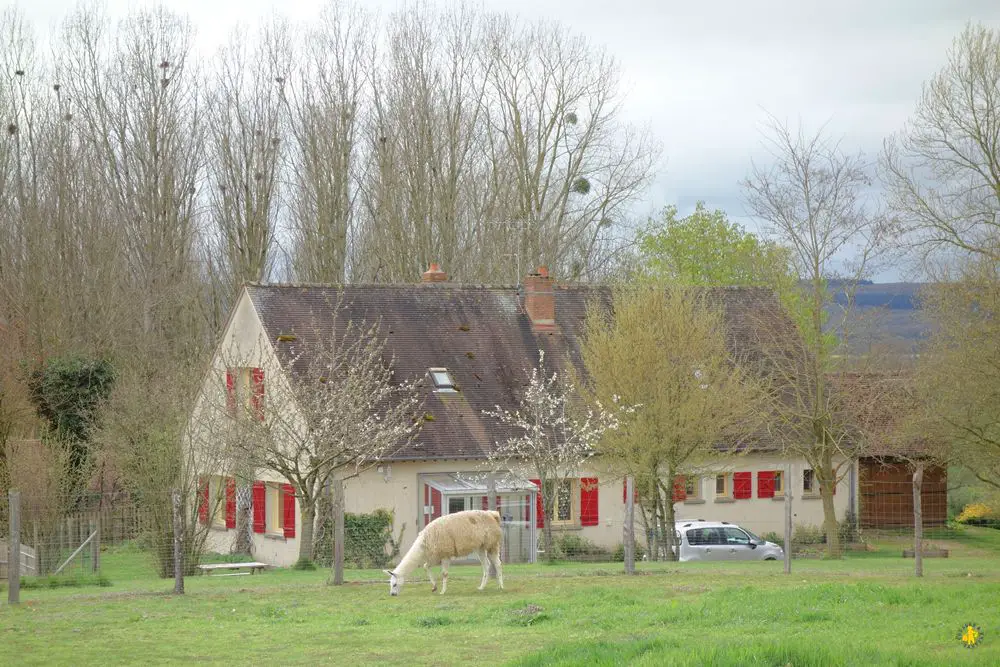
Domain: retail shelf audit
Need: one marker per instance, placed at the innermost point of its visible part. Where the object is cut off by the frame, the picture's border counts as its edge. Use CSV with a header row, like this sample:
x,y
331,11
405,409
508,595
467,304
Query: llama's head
x,y
395,582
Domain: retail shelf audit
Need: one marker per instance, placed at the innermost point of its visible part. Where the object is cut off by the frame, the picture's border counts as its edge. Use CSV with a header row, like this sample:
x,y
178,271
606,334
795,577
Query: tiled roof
x,y
482,335
881,407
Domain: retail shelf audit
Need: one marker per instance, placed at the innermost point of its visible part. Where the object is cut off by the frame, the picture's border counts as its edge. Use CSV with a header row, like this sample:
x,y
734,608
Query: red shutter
x,y
765,484
259,507
436,508
202,500
742,485
588,501
257,396
680,489
435,503
539,513
288,507
427,502
230,502
230,393
486,502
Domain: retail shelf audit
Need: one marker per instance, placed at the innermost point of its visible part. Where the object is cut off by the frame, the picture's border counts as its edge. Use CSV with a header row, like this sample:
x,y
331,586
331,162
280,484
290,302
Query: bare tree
x,y
942,171
812,200
942,174
327,107
245,127
138,98
422,141
333,409
571,166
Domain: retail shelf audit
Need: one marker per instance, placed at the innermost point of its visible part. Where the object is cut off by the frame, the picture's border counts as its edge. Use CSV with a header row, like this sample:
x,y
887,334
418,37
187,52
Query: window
x,y
704,537
734,536
442,379
245,388
779,483
808,481
722,485
275,516
562,512
692,488
217,493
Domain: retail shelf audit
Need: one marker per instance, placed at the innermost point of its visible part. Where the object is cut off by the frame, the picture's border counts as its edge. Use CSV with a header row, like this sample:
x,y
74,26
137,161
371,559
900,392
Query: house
x,y
476,346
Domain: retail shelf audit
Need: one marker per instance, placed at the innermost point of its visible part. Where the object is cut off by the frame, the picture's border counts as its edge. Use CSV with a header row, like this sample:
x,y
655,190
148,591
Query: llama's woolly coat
x,y
455,536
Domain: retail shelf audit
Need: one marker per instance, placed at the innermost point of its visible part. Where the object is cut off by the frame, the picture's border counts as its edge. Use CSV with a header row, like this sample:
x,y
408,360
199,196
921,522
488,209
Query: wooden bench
x,y
253,567
927,553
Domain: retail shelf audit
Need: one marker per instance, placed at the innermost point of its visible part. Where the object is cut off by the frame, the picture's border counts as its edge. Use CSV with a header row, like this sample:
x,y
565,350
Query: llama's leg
x,y
484,560
444,575
495,558
430,575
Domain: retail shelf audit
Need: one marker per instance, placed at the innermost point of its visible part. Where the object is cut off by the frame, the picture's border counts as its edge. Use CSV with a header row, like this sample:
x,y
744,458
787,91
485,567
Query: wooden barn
x,y
886,494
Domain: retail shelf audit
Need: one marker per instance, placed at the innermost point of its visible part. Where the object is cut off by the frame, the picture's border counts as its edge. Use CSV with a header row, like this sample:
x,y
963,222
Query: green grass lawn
x,y
861,610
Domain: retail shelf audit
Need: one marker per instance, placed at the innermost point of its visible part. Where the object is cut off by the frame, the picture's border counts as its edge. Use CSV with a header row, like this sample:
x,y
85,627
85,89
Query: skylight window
x,y
442,379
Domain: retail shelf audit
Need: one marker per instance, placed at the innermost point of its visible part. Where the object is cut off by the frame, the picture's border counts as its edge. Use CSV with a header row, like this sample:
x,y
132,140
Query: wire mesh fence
x,y
217,531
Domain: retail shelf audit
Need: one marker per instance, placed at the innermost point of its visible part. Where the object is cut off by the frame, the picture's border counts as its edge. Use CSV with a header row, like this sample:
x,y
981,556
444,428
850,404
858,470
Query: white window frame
x,y
274,514
442,387
811,474
728,492
574,513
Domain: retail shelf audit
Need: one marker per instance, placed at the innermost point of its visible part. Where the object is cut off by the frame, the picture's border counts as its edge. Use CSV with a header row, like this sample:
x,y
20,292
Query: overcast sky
x,y
702,74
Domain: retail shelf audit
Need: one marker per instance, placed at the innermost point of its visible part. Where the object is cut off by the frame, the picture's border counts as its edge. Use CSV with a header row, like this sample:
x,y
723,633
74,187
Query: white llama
x,y
449,537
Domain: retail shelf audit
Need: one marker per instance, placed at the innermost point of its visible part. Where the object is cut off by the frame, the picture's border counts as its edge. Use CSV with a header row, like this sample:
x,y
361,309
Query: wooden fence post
x,y
95,544
788,518
14,548
39,560
178,544
628,537
338,532
918,521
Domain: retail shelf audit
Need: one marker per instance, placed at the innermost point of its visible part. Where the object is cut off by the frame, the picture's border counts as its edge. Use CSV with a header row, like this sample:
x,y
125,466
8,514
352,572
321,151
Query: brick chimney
x,y
540,300
434,274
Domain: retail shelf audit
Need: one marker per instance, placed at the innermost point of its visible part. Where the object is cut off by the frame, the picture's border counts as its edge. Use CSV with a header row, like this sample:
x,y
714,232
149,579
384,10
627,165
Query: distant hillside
x,y
886,318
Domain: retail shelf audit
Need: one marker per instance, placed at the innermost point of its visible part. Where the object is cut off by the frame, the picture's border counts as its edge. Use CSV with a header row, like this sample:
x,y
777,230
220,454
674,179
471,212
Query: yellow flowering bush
x,y
978,514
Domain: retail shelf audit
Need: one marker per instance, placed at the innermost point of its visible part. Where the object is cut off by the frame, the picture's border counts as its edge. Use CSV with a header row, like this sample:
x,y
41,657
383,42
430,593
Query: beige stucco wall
x,y
400,490
242,344
397,487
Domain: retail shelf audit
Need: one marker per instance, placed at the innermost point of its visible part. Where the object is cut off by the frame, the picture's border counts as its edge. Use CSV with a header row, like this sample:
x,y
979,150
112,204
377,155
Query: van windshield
x,y
753,538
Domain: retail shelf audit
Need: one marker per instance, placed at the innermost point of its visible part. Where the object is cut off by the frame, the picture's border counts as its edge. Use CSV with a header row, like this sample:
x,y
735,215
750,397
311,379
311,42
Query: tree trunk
x,y
547,538
668,528
308,511
830,522
827,479
654,547
243,544
918,521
